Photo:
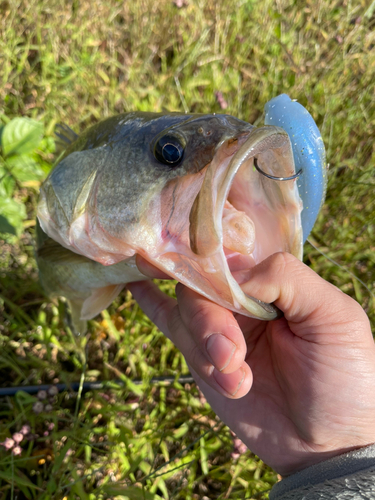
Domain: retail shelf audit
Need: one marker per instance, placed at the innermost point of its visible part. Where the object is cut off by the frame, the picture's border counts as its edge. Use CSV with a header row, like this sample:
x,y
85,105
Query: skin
x,y
297,390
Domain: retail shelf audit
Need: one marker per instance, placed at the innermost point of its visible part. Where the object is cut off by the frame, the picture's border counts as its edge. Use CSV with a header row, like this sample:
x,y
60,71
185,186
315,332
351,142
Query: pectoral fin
x,y
100,299
73,316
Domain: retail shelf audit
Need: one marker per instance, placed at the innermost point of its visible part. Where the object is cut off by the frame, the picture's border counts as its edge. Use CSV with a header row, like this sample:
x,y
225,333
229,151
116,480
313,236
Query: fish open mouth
x,y
240,216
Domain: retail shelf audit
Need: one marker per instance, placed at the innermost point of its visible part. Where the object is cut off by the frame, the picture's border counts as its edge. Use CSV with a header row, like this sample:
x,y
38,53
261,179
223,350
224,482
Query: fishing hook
x,y
272,176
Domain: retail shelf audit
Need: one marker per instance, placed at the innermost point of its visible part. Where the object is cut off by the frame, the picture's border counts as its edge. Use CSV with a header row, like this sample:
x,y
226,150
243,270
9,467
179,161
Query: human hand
x,y
297,390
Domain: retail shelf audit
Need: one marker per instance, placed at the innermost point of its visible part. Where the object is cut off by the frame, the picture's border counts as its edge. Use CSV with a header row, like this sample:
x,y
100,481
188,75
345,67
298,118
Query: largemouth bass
x,y
189,193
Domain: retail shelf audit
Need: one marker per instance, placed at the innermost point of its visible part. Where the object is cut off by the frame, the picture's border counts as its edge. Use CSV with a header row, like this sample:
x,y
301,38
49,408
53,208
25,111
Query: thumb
x,y
305,297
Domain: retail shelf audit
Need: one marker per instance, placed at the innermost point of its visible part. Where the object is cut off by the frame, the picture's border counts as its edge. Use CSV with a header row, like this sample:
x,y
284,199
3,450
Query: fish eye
x,y
169,150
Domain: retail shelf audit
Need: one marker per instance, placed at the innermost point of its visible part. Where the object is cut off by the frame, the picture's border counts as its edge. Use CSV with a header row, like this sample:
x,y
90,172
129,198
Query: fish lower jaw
x,y
239,265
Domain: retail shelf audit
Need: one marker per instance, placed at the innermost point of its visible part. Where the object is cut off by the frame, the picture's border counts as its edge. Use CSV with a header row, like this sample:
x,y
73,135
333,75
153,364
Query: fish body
x,y
179,189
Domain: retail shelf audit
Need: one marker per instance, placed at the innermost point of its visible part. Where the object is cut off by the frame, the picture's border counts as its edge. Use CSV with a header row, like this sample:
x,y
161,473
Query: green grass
x,y
79,62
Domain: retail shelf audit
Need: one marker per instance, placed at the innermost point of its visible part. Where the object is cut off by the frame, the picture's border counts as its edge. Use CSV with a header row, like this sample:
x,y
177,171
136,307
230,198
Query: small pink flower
x,y
25,429
17,450
180,3
239,448
17,437
68,453
53,390
8,443
220,99
38,407
42,395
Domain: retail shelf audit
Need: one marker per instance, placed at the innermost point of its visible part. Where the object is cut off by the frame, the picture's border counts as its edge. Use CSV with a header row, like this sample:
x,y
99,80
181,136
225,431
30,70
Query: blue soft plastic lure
x,y
308,151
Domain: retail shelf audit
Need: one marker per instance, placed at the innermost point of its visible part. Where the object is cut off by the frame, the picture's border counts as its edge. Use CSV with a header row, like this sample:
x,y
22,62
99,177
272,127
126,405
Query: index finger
x,y
213,328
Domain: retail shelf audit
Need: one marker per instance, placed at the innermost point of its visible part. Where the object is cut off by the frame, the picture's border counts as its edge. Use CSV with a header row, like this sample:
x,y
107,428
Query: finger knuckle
x,y
281,262
198,320
174,321
158,313
196,357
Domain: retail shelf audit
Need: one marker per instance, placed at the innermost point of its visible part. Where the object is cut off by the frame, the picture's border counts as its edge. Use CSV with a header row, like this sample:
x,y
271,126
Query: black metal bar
x,y
88,386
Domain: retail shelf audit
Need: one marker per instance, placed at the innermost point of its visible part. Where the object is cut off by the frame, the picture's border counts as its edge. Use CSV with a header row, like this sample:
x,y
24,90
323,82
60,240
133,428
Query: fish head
x,y
183,192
